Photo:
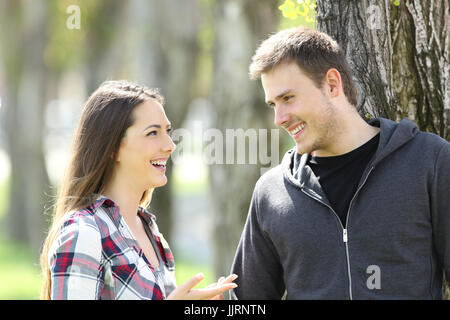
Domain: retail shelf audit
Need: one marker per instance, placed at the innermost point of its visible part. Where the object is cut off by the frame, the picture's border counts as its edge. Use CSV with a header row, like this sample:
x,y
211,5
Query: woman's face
x,y
146,147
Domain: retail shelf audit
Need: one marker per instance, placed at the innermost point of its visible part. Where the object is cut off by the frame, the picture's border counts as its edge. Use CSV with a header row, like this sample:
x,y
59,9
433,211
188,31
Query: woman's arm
x,y
75,260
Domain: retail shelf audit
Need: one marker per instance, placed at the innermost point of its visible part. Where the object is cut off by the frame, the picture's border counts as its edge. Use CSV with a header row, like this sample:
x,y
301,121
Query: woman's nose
x,y
169,145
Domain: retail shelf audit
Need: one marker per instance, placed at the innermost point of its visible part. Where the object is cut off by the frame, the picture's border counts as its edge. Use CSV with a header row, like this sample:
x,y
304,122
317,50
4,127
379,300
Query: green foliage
x,y
66,47
369,116
300,12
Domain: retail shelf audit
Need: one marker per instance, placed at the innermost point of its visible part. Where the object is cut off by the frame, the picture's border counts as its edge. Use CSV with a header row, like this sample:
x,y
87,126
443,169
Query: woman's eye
x,y
151,133
169,131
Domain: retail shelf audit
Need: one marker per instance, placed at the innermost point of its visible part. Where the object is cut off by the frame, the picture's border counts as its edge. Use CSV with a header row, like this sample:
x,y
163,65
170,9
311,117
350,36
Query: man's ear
x,y
333,82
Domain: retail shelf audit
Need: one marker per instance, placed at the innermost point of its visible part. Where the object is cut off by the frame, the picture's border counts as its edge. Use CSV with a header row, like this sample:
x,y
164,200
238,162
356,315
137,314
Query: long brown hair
x,y
104,120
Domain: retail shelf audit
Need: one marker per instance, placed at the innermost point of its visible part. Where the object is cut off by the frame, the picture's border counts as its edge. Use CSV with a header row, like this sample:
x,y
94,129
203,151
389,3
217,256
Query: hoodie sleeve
x,y
440,208
260,275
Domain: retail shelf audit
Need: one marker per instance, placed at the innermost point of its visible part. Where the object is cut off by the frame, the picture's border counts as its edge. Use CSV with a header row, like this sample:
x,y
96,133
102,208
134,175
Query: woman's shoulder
x,y
91,220
78,239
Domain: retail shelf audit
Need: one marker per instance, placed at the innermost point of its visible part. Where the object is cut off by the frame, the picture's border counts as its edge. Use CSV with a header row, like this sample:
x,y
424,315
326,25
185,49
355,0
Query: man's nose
x,y
281,116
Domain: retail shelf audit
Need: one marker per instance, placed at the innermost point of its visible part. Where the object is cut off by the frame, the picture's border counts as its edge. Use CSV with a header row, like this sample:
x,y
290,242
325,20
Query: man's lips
x,y
295,129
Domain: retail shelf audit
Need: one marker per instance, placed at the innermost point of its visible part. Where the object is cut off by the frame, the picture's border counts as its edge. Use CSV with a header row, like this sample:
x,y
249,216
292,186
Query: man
x,y
356,210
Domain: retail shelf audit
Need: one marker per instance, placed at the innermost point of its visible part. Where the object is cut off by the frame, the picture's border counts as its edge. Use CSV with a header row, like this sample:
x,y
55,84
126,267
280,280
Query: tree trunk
x,y
178,24
385,45
399,57
422,57
25,109
360,29
238,103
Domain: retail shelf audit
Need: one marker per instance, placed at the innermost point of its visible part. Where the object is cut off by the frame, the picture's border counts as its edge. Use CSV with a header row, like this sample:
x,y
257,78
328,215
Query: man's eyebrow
x,y
156,126
280,95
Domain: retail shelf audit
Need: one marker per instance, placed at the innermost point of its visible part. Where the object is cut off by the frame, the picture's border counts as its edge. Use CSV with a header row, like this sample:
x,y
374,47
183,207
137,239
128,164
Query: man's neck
x,y
353,132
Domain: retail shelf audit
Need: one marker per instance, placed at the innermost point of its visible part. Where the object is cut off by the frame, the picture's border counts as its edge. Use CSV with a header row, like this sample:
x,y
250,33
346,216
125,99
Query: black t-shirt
x,y
339,175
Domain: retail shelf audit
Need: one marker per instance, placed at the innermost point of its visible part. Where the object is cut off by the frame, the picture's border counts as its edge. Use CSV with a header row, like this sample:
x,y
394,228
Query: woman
x,y
102,243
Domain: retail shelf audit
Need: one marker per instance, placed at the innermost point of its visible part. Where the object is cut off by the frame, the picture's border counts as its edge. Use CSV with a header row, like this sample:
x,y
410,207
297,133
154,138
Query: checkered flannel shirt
x,y
95,256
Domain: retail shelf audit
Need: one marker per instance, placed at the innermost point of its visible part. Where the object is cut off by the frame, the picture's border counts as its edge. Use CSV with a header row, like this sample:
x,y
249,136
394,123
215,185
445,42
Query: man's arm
x,y
440,208
256,262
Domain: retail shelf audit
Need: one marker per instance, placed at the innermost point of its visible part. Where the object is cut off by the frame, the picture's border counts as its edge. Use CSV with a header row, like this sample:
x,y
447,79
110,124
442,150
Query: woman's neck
x,y
126,197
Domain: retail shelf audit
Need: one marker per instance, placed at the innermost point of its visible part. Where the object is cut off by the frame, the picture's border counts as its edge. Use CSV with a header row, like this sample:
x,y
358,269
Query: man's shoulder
x,y
431,139
271,176
429,144
273,185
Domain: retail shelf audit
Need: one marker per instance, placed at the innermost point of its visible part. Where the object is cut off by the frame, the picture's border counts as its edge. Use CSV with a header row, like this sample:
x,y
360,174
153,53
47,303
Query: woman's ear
x,y
115,157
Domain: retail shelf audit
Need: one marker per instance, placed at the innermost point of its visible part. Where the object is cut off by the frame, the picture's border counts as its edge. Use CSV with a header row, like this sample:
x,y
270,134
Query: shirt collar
x,y
113,210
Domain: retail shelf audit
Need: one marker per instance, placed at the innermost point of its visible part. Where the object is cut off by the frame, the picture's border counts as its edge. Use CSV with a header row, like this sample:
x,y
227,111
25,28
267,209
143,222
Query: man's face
x,y
302,109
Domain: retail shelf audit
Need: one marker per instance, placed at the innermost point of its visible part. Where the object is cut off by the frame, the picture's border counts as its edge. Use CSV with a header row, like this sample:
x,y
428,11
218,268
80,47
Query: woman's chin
x,y
156,183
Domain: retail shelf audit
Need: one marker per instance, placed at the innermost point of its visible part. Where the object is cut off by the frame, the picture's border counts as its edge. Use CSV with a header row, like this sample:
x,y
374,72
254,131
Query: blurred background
x,y
55,53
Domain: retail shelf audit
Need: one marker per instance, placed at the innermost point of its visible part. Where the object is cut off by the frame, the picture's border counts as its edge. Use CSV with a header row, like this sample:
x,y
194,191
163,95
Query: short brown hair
x,y
314,52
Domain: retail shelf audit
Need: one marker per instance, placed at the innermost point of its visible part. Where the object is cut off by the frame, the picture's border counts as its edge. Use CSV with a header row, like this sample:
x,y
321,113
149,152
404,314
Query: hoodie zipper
x,y
344,230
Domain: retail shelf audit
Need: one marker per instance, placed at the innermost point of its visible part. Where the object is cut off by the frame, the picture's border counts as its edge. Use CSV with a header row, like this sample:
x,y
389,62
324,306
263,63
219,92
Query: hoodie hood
x,y
393,136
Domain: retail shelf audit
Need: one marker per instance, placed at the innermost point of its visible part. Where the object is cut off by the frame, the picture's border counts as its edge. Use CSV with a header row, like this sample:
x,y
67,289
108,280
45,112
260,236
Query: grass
x,y
20,277
184,270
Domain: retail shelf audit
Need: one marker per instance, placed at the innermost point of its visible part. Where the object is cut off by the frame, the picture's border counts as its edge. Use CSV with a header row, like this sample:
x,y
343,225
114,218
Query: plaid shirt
x,y
95,256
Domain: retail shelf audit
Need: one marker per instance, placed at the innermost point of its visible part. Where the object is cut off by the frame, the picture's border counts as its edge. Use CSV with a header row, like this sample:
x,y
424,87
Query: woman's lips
x,y
160,168
159,164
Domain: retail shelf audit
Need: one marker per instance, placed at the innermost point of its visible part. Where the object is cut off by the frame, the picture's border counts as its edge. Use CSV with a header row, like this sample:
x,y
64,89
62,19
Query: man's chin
x,y
302,149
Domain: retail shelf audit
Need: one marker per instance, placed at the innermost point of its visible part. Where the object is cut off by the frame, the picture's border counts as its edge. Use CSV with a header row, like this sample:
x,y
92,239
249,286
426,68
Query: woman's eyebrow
x,y
156,126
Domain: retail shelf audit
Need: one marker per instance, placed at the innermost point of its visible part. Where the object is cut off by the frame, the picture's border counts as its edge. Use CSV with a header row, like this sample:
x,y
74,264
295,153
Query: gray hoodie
x,y
396,244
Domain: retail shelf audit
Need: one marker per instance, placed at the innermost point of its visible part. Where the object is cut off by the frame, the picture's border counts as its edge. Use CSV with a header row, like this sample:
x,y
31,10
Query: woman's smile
x,y
159,164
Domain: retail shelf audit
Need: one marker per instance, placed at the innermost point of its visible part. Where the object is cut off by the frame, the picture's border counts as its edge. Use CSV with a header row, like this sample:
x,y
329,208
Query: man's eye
x,y
286,98
271,105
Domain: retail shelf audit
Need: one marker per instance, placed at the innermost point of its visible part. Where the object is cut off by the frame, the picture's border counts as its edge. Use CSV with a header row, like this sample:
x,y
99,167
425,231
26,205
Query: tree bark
x,y
399,57
360,29
386,45
421,54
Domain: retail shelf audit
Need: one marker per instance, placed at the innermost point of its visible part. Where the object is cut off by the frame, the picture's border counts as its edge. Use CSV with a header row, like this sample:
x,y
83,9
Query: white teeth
x,y
159,162
297,129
